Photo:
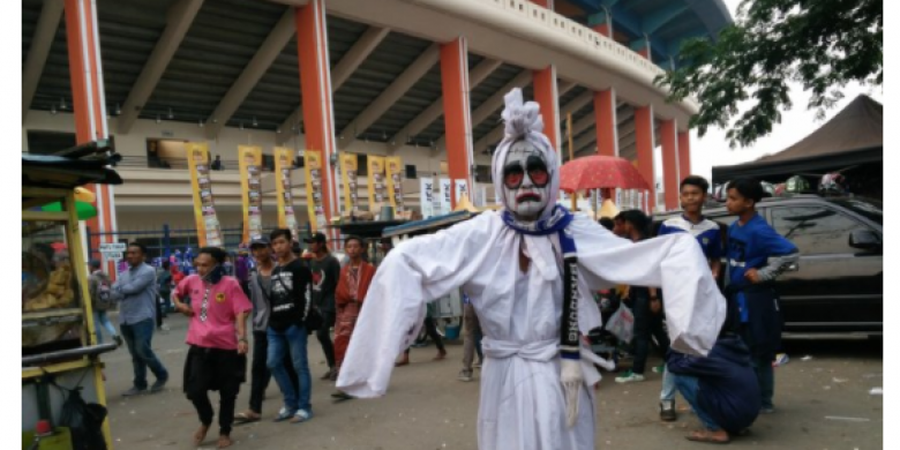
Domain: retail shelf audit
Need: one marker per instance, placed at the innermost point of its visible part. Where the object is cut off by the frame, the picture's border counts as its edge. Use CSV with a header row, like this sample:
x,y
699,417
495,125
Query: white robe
x,y
522,403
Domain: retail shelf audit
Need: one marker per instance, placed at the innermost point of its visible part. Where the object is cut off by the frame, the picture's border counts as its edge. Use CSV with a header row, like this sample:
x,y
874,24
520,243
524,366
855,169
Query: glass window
x,y
51,297
814,230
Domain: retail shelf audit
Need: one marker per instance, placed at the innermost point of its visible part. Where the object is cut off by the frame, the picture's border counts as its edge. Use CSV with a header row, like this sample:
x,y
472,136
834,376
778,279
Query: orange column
x,y
88,100
315,84
607,129
545,3
601,23
684,154
668,134
457,113
545,94
644,141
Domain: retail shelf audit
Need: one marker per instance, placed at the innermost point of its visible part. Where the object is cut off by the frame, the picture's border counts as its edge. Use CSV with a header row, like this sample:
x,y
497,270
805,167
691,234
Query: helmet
x,y
720,193
768,189
832,183
797,184
779,189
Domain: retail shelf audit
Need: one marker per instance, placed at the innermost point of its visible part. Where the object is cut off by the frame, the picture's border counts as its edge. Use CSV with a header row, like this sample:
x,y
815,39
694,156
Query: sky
x,y
797,123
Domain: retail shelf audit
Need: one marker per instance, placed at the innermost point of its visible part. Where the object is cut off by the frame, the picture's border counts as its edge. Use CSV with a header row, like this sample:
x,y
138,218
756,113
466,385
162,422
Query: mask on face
x,y
526,181
215,275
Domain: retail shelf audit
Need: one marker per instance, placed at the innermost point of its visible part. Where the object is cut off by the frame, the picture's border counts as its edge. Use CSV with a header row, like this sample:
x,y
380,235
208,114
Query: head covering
x,y
261,241
317,237
523,121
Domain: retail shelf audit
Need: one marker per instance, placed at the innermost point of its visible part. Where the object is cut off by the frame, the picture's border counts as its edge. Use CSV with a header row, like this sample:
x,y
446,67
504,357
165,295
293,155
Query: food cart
x,y
59,346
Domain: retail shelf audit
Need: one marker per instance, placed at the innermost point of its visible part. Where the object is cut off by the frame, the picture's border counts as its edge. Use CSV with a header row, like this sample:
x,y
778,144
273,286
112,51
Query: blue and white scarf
x,y
556,222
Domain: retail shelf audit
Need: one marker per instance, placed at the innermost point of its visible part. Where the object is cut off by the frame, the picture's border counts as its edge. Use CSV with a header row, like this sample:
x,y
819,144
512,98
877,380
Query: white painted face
x,y
526,181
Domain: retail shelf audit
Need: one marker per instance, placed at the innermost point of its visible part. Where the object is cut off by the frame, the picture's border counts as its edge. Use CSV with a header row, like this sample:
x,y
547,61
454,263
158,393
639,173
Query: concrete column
x,y
684,154
546,94
315,84
668,133
606,127
457,113
644,142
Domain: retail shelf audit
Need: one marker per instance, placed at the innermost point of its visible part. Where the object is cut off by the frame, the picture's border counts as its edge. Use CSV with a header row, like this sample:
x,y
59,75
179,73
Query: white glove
x,y
572,381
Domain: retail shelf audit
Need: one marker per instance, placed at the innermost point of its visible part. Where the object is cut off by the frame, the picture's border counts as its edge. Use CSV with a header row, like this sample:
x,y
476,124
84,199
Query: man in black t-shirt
x,y
325,273
290,305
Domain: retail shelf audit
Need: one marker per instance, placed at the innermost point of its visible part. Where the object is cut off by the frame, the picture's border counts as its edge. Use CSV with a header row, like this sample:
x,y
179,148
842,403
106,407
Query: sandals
x,y
707,437
301,415
284,414
247,416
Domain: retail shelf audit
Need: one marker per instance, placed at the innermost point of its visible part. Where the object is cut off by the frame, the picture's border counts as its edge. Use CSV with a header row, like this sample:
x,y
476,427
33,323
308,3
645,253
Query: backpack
x,y
103,296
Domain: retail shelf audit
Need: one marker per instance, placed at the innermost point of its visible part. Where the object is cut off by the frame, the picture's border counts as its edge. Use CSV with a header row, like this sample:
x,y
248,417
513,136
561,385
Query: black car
x,y
837,285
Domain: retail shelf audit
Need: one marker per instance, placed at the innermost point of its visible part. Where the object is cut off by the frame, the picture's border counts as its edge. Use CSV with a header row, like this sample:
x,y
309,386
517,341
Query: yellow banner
x,y
250,161
395,181
208,231
314,196
284,162
376,183
349,168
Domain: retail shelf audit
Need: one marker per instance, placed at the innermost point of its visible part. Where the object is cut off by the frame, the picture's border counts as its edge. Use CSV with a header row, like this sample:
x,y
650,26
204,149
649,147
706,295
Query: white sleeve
x,y
695,309
415,272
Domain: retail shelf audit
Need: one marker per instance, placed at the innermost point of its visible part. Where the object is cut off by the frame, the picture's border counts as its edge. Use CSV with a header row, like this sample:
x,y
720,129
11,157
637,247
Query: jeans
x,y
668,386
291,340
324,336
646,325
472,337
101,319
259,371
762,365
690,388
138,336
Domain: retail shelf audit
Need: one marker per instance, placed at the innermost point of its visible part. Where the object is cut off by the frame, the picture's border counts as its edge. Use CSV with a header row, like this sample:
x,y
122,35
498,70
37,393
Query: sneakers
x,y
660,369
134,391
341,395
629,377
158,386
118,340
284,414
667,411
477,365
465,375
767,410
301,415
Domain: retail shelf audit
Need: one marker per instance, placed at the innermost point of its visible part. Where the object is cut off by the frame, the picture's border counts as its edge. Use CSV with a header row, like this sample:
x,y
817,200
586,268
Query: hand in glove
x,y
572,380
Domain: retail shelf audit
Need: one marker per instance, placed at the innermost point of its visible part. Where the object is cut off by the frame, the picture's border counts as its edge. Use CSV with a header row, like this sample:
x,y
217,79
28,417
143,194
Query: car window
x,y
813,229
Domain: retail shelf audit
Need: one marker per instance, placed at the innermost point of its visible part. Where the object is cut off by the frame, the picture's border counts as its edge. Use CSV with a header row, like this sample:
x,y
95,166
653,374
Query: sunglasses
x,y
514,173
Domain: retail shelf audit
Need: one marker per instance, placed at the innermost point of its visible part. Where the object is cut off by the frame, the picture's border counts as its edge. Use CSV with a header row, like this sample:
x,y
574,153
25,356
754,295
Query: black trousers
x,y
431,330
259,372
159,309
324,335
211,369
646,326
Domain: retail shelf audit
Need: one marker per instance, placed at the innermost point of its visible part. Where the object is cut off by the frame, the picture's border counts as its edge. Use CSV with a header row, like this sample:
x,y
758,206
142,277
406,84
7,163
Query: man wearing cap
x,y
326,270
259,285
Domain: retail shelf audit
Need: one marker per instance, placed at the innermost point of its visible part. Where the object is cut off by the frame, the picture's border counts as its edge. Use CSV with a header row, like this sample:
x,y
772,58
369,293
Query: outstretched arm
x,y
415,272
695,309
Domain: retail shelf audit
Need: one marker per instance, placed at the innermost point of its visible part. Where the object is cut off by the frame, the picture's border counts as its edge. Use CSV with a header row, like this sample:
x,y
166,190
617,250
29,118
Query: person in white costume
x,y
529,271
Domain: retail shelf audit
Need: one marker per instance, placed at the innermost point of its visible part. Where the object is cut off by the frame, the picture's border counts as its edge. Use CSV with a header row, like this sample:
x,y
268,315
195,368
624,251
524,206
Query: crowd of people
x,y
527,275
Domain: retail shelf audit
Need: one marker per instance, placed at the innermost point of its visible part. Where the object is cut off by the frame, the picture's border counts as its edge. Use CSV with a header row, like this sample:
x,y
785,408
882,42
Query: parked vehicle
x,y
837,284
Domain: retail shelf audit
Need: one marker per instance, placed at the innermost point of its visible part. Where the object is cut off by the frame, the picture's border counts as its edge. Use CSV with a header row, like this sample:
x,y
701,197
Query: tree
x,y
822,44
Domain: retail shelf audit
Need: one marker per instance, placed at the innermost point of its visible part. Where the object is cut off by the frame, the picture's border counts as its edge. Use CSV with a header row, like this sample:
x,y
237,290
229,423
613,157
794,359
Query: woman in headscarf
x,y
217,336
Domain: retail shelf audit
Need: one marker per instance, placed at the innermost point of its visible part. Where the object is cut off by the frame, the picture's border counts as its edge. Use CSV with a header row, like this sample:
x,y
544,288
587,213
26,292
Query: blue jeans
x,y
668,386
101,319
689,388
293,340
138,336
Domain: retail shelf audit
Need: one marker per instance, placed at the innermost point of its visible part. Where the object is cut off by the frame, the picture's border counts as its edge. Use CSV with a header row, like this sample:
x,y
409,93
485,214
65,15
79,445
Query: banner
x,y
314,195
426,197
395,182
284,162
250,162
376,183
209,232
446,186
349,168
462,189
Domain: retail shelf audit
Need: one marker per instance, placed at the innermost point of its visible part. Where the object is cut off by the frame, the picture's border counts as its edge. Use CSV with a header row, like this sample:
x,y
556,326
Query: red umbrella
x,y
600,172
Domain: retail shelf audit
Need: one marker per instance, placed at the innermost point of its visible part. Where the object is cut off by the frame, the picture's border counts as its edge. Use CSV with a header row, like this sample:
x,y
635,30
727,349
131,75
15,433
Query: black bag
x,y
313,320
85,422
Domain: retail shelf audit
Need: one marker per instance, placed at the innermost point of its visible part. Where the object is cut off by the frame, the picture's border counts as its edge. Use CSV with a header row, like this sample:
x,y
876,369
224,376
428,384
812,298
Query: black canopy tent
x,y
851,142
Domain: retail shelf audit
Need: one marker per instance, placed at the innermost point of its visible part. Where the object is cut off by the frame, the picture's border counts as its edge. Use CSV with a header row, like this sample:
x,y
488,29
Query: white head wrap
x,y
523,121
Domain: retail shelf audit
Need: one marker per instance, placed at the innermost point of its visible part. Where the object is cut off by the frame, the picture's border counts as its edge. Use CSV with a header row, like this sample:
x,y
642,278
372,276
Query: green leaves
x,y
821,44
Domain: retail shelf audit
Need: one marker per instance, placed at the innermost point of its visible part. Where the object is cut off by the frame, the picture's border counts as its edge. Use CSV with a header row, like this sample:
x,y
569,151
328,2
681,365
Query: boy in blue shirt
x,y
693,191
756,254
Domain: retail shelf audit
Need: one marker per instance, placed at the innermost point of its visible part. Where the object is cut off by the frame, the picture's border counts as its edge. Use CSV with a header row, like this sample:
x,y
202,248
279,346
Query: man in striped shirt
x,y
693,191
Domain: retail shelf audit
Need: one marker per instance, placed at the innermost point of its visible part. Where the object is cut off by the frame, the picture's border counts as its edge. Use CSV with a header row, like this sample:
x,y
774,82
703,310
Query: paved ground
x,y
427,408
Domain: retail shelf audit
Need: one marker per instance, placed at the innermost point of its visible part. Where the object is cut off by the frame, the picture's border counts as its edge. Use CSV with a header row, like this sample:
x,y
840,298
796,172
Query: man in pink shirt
x,y
217,335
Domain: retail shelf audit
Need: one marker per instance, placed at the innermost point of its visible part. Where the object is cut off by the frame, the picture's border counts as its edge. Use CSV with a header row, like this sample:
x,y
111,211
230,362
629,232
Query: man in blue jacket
x,y
721,388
